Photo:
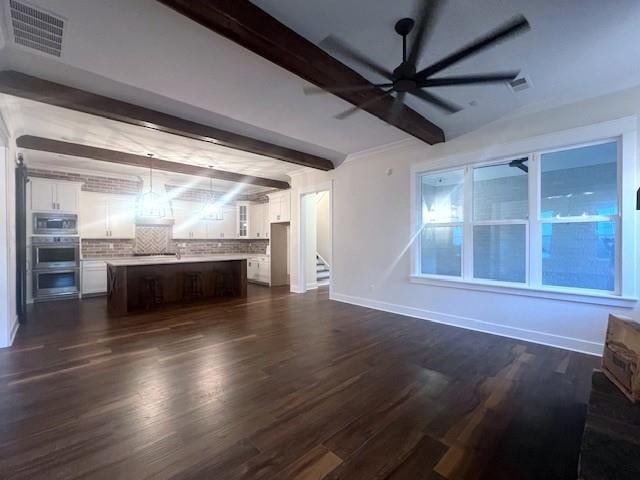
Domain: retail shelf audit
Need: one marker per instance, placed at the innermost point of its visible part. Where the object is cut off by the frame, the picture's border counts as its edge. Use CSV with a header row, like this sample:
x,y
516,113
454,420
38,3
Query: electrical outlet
x,y
219,244
111,246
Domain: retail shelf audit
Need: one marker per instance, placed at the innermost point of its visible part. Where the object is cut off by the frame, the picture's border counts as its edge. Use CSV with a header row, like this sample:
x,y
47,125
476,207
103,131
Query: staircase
x,y
322,271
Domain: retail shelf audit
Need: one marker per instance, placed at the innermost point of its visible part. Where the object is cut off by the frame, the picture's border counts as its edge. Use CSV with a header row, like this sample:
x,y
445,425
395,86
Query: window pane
x,y
442,197
500,192
499,252
441,251
579,255
580,181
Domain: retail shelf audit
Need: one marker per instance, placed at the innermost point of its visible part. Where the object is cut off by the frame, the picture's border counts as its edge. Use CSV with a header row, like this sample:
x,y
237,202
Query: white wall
x,y
309,205
372,228
323,228
8,318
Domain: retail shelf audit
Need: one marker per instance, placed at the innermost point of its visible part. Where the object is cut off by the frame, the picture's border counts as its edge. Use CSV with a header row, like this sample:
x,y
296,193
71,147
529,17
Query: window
x,y
441,237
500,219
547,220
579,215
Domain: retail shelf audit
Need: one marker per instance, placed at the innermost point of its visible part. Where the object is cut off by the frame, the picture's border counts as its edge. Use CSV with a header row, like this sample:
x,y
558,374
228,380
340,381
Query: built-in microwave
x,y
55,252
55,224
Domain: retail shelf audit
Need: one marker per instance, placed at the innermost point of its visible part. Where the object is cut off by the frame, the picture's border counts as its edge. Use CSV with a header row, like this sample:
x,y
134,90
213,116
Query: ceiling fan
x,y
406,78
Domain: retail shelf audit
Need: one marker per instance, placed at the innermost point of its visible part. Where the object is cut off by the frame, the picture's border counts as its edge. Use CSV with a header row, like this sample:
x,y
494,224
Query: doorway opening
x,y
315,239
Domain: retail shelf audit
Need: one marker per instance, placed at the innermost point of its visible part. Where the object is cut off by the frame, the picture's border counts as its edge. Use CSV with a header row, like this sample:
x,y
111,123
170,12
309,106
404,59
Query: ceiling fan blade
x,y
354,109
313,90
426,14
396,107
334,45
470,79
439,102
514,26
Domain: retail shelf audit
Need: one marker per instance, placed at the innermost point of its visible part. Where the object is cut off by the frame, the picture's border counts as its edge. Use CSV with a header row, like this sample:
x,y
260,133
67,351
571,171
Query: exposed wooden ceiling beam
x,y
39,90
31,142
256,30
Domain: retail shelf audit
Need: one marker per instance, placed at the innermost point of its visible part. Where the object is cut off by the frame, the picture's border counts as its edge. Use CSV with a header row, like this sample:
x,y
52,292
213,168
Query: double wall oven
x,y
55,258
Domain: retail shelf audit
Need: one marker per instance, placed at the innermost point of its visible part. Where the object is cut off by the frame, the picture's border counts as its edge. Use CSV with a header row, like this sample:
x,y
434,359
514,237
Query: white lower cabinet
x,y
94,277
259,270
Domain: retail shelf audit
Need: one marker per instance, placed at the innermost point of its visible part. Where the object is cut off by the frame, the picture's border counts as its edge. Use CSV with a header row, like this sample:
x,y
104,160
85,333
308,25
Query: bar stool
x,y
192,286
150,291
217,280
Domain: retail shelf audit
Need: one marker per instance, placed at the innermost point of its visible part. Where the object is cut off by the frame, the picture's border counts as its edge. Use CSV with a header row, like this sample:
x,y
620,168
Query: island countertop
x,y
170,259
141,283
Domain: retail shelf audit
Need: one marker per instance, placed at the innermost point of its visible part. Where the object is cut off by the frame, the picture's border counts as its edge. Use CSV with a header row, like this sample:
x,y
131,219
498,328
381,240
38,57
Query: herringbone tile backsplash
x,y
153,239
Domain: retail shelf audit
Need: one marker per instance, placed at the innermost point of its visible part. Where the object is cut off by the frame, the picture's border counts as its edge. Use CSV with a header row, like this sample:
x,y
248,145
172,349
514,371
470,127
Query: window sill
x,y
569,296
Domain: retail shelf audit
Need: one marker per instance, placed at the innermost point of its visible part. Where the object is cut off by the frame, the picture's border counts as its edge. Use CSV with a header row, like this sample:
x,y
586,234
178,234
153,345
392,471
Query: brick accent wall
x,y
91,183
202,195
107,248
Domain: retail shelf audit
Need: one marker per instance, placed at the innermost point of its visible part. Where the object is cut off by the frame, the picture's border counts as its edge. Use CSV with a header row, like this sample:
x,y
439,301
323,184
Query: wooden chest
x,y
621,357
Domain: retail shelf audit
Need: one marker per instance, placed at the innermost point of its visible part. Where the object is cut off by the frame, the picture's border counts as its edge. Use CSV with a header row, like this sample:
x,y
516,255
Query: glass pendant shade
x,y
151,204
212,209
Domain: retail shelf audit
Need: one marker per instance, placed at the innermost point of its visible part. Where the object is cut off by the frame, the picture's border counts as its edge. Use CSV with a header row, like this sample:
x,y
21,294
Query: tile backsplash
x,y
156,239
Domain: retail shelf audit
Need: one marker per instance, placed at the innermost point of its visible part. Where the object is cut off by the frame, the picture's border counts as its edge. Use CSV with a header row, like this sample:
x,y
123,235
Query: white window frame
x,y
625,293
457,223
473,223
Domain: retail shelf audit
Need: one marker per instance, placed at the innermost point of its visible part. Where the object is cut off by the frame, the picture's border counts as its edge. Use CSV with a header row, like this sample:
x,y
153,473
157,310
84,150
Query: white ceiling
x,y
143,52
33,118
576,48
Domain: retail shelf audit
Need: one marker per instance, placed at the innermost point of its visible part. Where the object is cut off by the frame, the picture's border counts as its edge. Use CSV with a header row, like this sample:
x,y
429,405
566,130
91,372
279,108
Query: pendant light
x,y
151,204
212,208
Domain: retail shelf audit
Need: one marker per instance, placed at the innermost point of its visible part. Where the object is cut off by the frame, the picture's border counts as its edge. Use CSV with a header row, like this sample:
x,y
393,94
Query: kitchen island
x,y
135,284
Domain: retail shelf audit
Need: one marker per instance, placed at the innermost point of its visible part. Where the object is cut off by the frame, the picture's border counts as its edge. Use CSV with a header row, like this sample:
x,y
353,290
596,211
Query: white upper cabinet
x,y
104,215
94,215
54,196
68,197
189,225
259,224
229,222
121,216
186,223
225,228
280,206
244,219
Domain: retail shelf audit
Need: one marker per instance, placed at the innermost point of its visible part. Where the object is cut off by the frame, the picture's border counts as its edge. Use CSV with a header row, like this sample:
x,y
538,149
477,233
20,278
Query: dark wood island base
x,y
141,285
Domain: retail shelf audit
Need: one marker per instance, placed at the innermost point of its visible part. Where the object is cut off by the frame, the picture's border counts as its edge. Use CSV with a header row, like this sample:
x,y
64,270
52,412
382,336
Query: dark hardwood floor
x,y
282,386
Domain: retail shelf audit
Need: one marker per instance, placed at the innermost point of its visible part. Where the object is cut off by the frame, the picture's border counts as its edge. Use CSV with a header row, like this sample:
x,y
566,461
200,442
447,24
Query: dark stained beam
x,y
123,158
257,31
39,90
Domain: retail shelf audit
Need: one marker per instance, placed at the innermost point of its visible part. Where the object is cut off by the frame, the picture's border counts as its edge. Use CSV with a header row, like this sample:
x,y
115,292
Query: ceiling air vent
x,y
520,84
36,29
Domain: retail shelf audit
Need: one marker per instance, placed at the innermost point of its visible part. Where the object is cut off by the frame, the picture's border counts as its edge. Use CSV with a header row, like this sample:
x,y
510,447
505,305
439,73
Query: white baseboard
x,y
567,343
14,330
